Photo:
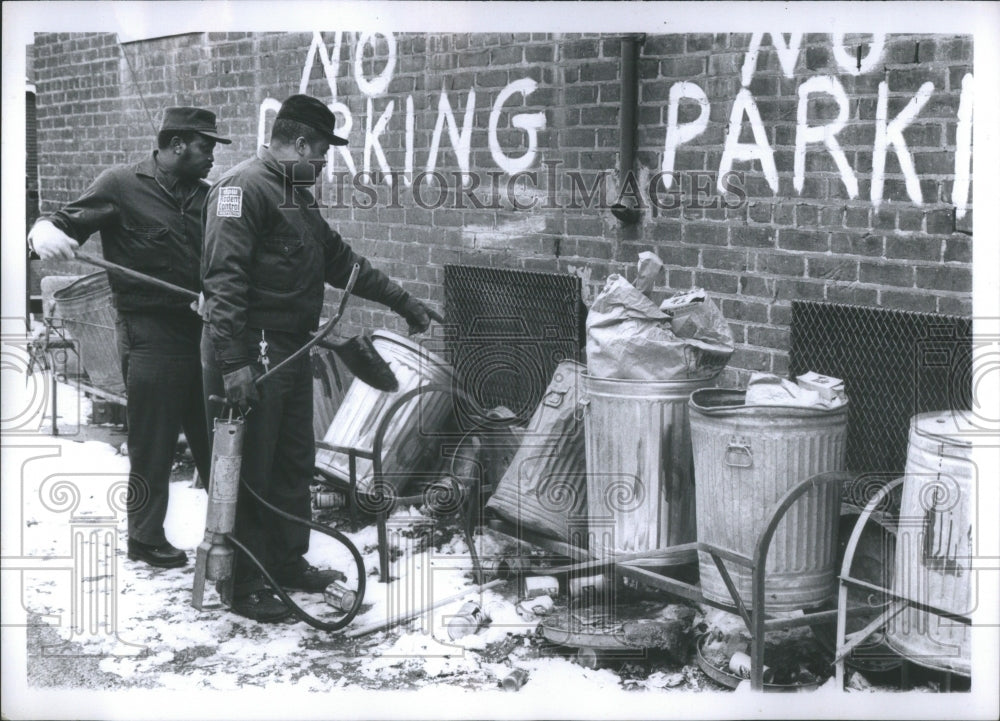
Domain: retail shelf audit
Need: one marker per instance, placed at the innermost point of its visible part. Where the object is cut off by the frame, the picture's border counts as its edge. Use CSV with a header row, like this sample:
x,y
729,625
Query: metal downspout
x,y
628,123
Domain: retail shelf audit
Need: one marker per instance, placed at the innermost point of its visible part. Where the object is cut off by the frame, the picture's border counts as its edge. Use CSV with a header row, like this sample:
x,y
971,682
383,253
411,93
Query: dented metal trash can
x,y
640,480
746,458
933,563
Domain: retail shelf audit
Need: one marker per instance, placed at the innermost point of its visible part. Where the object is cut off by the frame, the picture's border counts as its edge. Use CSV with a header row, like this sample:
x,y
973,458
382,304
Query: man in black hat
x,y
149,215
268,252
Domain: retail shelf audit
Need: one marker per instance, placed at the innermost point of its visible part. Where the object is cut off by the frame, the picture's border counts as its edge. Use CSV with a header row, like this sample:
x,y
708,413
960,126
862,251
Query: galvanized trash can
x,y
745,459
89,315
934,544
545,488
327,396
413,439
640,480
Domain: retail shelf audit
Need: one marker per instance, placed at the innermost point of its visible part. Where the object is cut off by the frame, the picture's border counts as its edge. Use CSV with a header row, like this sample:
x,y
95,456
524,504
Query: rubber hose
x,y
333,533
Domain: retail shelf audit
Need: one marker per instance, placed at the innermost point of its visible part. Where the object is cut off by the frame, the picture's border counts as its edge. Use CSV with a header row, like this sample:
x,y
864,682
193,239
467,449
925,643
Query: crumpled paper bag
x,y
628,337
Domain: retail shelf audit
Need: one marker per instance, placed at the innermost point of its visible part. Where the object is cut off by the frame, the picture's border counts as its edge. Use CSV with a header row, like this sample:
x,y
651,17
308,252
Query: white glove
x,y
50,242
198,306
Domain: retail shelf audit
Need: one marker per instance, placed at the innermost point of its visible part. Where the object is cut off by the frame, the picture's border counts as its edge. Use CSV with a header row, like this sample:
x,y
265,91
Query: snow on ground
x,y
138,621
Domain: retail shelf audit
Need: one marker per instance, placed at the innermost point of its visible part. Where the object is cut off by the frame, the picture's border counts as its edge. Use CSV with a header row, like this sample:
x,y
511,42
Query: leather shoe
x,y
162,556
261,605
306,577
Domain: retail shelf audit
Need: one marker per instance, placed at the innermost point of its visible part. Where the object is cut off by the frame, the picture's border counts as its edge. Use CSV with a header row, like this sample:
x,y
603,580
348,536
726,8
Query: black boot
x,y
162,556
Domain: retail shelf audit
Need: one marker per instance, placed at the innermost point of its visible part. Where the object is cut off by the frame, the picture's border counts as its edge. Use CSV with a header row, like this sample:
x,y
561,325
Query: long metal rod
x,y
321,333
760,567
845,572
735,593
858,637
936,610
136,275
407,615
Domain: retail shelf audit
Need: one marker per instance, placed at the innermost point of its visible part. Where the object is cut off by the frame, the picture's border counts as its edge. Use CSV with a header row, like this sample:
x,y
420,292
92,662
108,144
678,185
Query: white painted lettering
x,y
758,150
963,148
267,105
329,62
408,155
530,123
891,133
826,134
677,134
460,141
379,84
788,54
848,61
344,131
372,142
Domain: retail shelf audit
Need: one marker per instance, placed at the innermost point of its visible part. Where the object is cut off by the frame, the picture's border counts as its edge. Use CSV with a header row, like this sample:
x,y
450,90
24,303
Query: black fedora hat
x,y
197,119
310,111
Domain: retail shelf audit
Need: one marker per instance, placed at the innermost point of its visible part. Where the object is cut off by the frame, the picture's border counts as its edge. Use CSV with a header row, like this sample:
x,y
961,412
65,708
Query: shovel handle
x,y
136,275
322,332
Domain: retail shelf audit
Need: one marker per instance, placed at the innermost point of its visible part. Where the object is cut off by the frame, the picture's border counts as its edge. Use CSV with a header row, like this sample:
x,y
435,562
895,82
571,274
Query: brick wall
x,y
808,214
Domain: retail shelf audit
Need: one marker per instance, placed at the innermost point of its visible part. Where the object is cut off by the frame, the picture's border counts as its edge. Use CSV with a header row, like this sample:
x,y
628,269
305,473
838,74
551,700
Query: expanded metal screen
x,y
894,363
507,330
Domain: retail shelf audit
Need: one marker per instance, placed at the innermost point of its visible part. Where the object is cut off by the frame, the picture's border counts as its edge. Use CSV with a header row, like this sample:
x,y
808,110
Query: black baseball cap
x,y
310,111
197,119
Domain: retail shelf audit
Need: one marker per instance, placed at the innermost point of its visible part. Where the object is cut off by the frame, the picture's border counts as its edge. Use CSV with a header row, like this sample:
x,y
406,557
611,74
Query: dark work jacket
x,y
267,256
143,226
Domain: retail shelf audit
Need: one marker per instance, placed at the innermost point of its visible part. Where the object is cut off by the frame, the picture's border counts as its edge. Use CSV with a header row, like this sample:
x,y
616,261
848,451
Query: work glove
x,y
49,242
241,391
198,306
418,315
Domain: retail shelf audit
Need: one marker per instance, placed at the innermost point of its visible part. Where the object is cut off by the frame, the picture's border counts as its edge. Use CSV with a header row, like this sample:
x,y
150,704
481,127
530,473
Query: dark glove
x,y
240,388
418,315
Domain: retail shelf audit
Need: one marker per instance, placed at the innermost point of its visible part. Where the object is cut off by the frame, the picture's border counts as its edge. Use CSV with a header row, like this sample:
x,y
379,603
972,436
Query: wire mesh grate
x,y
894,364
507,330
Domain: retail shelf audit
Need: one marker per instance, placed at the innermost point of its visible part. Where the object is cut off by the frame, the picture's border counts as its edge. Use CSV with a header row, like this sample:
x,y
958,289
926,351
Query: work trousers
x,y
159,356
278,458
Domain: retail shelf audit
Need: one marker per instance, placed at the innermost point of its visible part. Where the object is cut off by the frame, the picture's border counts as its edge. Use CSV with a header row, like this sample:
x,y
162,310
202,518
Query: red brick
x,y
940,221
780,264
759,212
664,45
717,282
780,314
851,294
945,277
958,250
683,68
778,338
889,274
832,267
815,241
706,234
755,285
744,310
913,247
751,359
699,42
857,244
961,306
908,300
724,259
885,218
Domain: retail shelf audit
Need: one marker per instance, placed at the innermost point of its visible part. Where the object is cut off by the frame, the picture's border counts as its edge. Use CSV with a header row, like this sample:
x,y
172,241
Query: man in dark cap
x,y
149,215
268,252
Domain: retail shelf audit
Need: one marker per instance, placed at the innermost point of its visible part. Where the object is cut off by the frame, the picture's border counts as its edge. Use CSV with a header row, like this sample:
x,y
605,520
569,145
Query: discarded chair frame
x,y
755,618
381,496
42,352
845,642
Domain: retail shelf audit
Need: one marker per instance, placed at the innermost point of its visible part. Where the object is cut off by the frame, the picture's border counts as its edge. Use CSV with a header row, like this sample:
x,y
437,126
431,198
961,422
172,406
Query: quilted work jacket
x,y
268,252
